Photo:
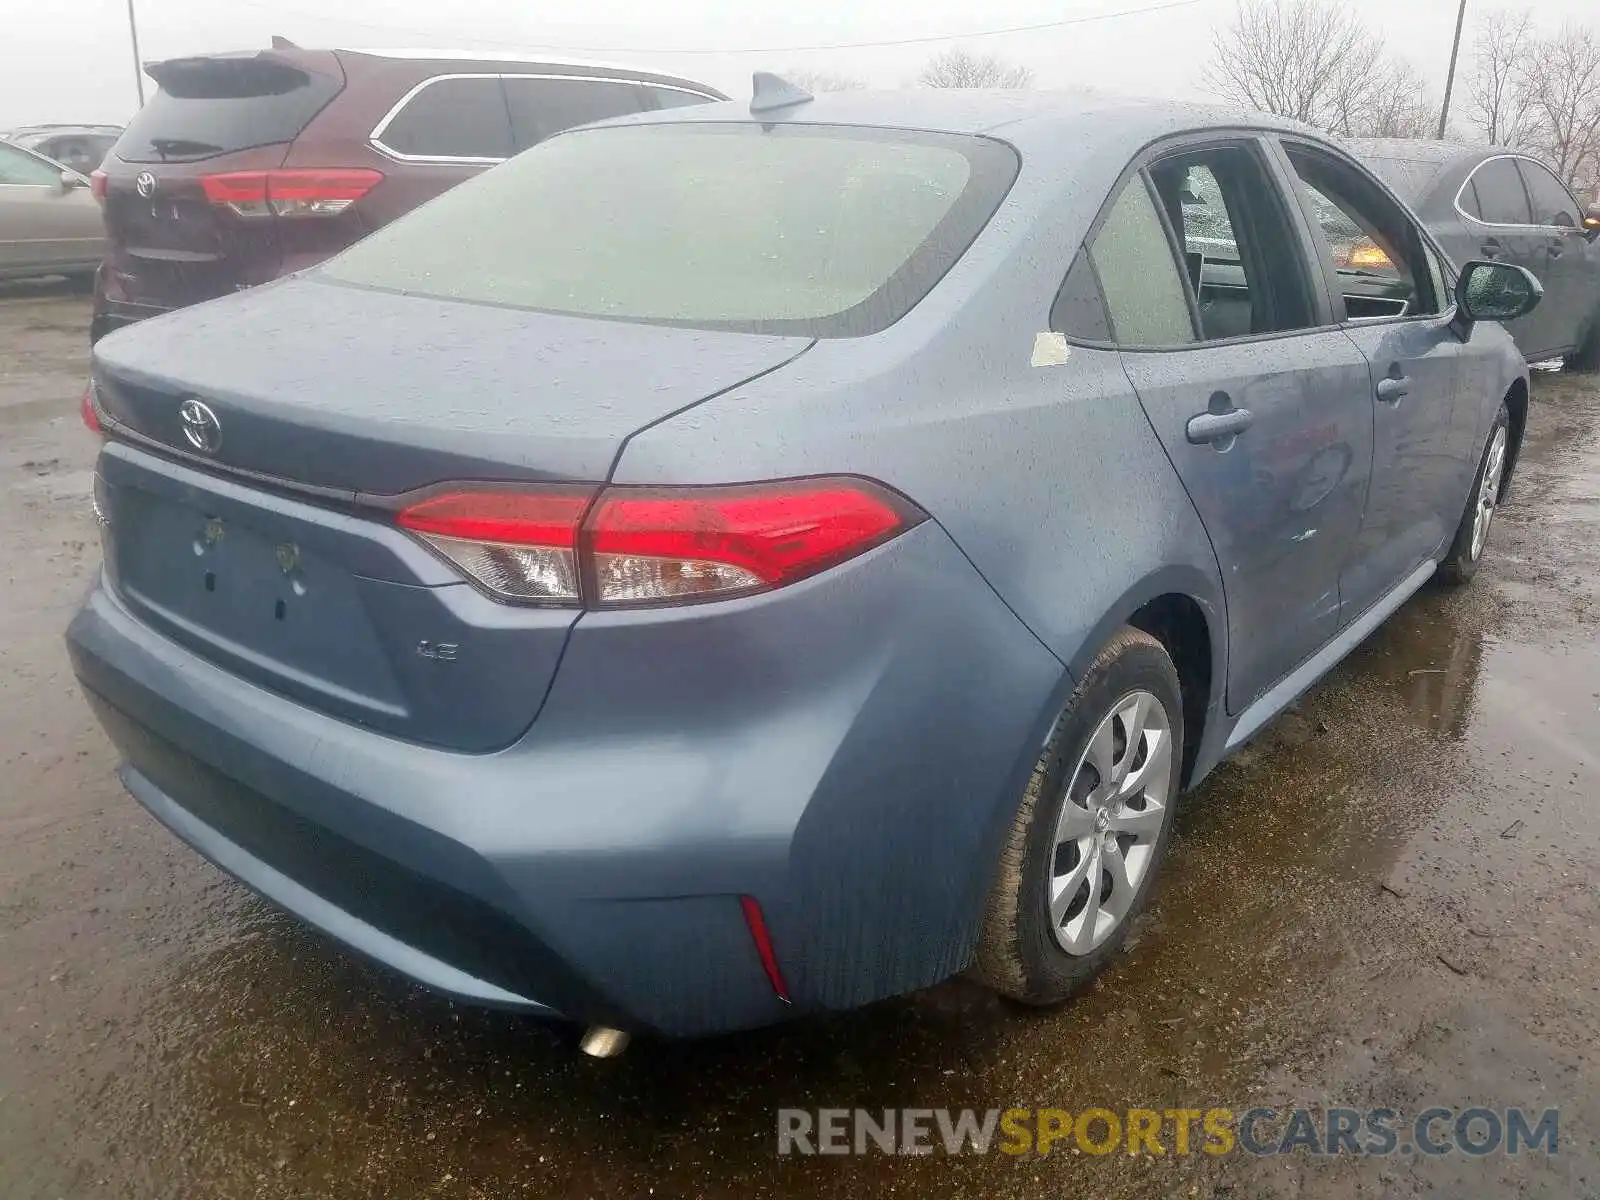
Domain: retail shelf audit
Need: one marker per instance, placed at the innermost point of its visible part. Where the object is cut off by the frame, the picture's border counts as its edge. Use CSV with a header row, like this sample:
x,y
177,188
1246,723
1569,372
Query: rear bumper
x,y
847,751
111,315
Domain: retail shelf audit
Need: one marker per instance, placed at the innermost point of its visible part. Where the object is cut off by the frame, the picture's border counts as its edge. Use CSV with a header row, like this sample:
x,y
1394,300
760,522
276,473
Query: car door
x,y
43,222
1259,401
1570,270
1388,289
1493,203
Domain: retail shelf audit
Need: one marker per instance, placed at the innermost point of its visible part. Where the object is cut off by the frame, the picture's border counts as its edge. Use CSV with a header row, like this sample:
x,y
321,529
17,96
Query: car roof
x,y
1418,149
542,61
1032,116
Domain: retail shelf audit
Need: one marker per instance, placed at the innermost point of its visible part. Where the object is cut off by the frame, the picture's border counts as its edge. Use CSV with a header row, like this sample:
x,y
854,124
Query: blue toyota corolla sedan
x,y
749,560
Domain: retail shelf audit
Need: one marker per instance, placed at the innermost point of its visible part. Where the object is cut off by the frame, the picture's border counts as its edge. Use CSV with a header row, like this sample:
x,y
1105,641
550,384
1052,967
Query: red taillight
x,y
291,192
97,185
90,411
763,940
654,546
518,545
646,546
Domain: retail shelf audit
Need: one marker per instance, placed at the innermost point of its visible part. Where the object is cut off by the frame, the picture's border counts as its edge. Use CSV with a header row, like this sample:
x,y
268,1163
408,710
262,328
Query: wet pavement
x,y
1390,899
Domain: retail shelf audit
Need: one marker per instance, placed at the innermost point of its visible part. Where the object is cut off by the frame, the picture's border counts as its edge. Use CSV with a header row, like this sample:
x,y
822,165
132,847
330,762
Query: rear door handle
x,y
1218,427
1392,388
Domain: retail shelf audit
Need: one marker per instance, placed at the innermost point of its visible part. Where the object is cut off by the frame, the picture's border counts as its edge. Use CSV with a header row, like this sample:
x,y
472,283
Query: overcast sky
x,y
69,60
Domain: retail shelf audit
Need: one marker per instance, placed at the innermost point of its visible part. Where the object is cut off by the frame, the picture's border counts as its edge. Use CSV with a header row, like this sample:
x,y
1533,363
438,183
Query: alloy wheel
x,y
1494,465
1111,820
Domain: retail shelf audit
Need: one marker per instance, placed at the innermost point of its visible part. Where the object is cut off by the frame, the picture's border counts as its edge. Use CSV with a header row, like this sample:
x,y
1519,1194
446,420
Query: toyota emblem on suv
x,y
200,426
145,184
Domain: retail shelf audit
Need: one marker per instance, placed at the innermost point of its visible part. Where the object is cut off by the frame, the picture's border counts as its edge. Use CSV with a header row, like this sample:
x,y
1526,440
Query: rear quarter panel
x,y
1049,479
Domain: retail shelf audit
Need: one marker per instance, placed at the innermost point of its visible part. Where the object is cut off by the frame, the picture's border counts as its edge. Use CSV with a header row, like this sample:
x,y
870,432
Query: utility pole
x,y
1450,79
138,68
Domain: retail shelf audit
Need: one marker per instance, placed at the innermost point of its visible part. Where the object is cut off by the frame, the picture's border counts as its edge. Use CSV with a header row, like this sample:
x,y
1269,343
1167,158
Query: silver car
x,y
50,224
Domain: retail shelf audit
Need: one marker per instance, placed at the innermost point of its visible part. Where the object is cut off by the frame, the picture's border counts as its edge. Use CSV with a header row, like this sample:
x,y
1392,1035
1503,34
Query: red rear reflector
x,y
291,191
89,411
763,941
656,545
97,185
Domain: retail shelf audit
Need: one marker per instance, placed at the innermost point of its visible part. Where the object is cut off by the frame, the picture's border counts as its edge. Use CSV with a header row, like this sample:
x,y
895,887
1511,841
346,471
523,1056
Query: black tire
x,y
1586,359
1461,563
1019,955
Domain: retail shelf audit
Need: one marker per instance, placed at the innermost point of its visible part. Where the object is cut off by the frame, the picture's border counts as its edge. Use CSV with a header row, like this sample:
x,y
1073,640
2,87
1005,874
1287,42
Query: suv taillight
x,y
97,185
655,545
291,191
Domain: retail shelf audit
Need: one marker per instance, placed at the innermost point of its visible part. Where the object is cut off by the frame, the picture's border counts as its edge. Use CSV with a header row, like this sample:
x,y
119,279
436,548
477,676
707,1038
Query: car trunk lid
x,y
274,553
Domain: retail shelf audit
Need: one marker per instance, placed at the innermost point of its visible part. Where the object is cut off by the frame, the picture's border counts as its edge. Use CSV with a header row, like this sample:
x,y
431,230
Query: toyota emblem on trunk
x,y
200,426
145,184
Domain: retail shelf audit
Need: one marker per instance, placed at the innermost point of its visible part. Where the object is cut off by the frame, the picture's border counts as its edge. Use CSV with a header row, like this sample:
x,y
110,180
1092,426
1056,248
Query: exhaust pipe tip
x,y
601,1041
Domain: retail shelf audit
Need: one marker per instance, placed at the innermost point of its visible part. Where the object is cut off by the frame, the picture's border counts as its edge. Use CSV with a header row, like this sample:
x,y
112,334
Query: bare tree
x,y
823,81
1396,104
960,68
1299,59
1497,91
1562,85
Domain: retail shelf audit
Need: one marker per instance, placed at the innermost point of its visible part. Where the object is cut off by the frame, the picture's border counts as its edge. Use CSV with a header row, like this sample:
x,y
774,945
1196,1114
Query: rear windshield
x,y
804,229
211,106
1407,176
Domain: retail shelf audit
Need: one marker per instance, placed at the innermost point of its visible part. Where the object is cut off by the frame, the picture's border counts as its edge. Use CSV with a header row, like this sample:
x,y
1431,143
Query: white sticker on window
x,y
1050,350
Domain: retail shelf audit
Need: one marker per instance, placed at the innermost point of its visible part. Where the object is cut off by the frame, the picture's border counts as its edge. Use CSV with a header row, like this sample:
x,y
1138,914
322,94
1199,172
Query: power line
x,y
870,45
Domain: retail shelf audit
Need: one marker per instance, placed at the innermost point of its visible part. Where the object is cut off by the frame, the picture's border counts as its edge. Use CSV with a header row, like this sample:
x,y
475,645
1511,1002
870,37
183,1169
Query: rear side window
x,y
1500,195
211,106
815,230
1552,203
1138,274
451,117
541,107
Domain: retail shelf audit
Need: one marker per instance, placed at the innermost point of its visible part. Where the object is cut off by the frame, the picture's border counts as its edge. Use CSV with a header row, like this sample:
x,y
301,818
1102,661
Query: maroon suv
x,y
243,167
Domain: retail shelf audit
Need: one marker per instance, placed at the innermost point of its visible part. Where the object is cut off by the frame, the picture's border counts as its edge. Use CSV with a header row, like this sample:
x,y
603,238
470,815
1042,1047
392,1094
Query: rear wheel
x,y
1587,358
1472,535
1091,830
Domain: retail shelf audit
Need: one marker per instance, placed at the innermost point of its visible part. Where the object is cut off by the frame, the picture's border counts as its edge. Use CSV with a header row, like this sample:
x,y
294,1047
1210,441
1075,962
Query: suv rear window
x,y
211,106
815,230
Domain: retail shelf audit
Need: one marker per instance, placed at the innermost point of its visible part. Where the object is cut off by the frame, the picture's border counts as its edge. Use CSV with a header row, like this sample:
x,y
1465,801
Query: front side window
x,y
1375,251
815,230
1501,198
17,167
541,107
452,118
1552,204
1143,290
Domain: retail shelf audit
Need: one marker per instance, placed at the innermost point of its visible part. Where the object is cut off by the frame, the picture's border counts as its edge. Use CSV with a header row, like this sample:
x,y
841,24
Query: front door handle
x,y
1218,428
1392,388
1555,248
1492,248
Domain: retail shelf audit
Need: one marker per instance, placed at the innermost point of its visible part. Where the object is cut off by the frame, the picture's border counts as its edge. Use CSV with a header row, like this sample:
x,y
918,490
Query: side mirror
x,y
71,179
1495,291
